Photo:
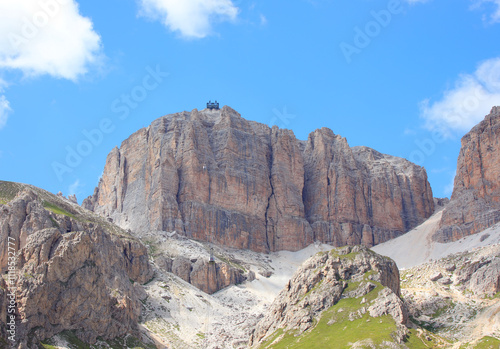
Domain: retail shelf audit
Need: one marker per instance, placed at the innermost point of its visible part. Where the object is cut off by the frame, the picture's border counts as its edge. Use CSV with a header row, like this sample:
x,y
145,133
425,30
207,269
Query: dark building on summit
x,y
212,106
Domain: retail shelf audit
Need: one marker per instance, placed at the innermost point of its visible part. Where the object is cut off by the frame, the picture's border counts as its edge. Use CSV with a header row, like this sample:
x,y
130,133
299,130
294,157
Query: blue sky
x,y
408,78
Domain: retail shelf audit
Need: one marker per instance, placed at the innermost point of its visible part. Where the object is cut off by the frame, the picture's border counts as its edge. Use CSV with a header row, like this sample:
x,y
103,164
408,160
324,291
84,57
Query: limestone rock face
x,y
216,177
193,265
323,280
211,277
461,304
475,203
75,271
481,273
19,219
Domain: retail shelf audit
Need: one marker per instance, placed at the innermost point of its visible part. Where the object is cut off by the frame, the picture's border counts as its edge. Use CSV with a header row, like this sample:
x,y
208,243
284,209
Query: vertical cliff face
x,y
217,177
475,203
70,269
358,195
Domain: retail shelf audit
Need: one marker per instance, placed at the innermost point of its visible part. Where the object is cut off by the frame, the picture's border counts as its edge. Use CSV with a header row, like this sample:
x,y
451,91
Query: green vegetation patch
x,y
152,247
421,339
340,326
483,343
496,296
56,209
443,310
338,334
129,342
54,222
229,262
73,342
8,191
70,337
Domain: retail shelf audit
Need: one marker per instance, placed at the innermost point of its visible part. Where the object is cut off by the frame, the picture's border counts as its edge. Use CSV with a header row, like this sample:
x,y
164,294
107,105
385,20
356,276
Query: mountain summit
x,y
475,203
214,176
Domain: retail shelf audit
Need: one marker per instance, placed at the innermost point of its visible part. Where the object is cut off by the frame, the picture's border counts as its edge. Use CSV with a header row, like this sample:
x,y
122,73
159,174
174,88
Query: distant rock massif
x,y
475,203
213,176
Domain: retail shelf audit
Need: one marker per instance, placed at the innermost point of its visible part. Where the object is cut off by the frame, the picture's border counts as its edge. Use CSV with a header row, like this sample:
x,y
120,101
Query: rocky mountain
x,y
83,282
457,297
475,203
353,298
213,176
347,296
69,269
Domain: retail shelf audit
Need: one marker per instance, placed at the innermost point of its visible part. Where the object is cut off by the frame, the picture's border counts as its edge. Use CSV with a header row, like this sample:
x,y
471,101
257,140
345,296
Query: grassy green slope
x,y
335,329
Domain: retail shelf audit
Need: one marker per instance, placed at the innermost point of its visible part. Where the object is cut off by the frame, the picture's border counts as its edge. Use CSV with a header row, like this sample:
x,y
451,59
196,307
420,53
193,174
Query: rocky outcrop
x,y
208,267
207,276
371,280
211,277
456,296
75,271
440,203
480,273
475,203
216,177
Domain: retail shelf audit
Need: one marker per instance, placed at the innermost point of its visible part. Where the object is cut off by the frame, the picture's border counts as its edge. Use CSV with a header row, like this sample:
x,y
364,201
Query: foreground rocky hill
x,y
353,298
475,203
342,298
70,270
216,177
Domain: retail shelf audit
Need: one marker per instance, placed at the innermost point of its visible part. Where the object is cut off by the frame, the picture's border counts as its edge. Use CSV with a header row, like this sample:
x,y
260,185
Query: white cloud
x,y
4,111
47,37
495,16
409,132
263,20
73,188
464,105
416,1
3,85
448,189
495,4
192,18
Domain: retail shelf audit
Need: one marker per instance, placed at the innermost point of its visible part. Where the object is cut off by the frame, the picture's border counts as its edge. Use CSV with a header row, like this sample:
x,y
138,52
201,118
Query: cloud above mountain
x,y
44,38
190,18
466,102
4,111
493,4
47,37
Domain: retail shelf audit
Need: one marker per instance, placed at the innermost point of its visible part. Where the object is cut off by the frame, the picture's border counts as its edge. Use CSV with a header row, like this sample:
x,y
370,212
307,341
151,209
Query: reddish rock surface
x,y
475,203
214,176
